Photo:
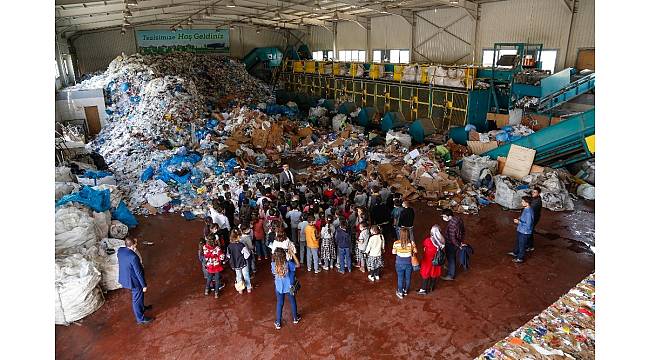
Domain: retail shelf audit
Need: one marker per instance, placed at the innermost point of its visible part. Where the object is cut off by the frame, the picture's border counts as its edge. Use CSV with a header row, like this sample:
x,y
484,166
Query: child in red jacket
x,y
214,258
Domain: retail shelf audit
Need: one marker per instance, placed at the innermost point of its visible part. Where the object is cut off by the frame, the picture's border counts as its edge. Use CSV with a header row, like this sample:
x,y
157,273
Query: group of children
x,y
339,222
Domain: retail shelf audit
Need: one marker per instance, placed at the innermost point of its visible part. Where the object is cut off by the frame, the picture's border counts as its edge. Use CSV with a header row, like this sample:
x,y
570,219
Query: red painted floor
x,y
344,316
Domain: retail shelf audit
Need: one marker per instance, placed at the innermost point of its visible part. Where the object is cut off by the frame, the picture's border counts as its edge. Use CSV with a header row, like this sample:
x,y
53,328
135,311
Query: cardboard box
x,y
502,120
536,121
519,161
501,163
474,136
305,132
536,169
429,183
478,147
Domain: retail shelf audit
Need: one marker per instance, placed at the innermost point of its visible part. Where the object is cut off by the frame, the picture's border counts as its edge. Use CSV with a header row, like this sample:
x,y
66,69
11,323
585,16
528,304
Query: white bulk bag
x,y
76,292
74,228
108,264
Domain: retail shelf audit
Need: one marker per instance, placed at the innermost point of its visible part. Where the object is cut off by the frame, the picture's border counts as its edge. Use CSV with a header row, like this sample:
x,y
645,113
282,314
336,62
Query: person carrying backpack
x,y
432,260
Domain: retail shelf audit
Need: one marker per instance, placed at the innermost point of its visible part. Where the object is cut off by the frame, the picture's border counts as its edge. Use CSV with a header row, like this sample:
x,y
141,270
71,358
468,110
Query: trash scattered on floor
x,y
566,329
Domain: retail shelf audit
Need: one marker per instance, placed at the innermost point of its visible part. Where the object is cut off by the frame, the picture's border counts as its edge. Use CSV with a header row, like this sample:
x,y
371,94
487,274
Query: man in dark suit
x,y
287,177
131,276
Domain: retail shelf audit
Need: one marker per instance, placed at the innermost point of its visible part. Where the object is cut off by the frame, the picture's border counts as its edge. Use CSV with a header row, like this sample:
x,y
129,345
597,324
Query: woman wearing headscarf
x,y
429,272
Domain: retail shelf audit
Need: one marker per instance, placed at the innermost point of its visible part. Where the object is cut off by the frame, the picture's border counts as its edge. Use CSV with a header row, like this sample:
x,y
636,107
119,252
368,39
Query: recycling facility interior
x,y
461,105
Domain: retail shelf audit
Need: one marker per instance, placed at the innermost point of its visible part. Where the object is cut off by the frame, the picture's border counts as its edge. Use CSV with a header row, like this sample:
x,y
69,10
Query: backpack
x,y
439,259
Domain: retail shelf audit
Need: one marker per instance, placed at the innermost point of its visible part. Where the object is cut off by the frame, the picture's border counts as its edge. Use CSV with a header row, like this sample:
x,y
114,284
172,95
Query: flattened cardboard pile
x,y
565,330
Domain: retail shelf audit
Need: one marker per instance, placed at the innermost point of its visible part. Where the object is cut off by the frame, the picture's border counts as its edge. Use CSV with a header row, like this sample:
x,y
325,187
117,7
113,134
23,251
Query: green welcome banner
x,y
198,41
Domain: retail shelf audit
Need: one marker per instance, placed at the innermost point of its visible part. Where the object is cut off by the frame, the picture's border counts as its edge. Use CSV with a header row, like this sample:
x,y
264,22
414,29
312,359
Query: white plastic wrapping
x,y
555,196
338,121
118,230
472,166
64,188
63,174
74,228
402,138
107,263
586,191
103,222
116,194
505,193
76,292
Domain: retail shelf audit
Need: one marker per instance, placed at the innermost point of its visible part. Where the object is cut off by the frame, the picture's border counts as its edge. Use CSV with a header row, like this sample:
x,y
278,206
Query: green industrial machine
x,y
501,75
271,57
515,76
558,145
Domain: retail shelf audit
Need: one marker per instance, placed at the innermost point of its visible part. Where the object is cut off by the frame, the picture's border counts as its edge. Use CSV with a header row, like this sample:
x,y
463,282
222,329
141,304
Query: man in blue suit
x,y
132,277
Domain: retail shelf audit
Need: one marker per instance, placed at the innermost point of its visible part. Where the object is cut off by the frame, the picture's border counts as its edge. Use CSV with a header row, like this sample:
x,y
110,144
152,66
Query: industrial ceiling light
x,y
190,21
435,10
257,31
132,2
126,22
173,28
318,6
232,27
453,1
277,15
230,4
127,13
180,26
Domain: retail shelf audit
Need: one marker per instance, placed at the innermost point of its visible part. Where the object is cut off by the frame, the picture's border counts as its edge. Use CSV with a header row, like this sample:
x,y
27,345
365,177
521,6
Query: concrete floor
x,y
344,316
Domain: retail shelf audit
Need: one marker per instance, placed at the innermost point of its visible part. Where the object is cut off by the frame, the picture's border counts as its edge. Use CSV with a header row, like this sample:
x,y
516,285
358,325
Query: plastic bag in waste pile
x,y
508,192
402,138
93,178
103,222
118,230
64,188
74,228
125,216
339,121
96,200
586,191
63,174
116,193
587,171
356,168
76,292
472,166
555,196
107,263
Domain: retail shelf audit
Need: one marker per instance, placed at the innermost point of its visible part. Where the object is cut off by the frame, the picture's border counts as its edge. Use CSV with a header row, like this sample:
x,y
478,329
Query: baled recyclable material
x,y
77,293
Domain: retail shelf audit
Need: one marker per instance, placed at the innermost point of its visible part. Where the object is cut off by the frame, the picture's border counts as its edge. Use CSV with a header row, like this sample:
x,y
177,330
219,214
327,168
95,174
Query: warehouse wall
x,y
453,45
350,36
320,38
390,32
583,34
95,50
538,21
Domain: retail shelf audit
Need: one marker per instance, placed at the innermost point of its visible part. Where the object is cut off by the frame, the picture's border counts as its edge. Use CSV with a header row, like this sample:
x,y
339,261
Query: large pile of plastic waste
x,y
161,108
